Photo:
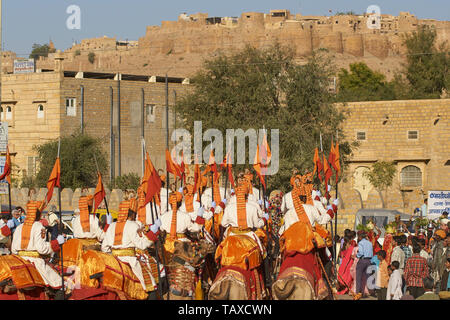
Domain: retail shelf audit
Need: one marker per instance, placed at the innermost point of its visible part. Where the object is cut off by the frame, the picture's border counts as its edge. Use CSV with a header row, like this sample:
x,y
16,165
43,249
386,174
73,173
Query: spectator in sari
x,y
347,255
388,243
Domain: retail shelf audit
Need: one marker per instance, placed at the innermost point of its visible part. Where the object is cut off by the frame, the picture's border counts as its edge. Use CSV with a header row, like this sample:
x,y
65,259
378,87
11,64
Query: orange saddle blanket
x,y
117,275
23,273
239,251
299,237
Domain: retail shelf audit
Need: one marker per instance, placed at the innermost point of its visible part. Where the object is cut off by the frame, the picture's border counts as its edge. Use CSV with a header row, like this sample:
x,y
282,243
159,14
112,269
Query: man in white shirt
x,y
29,243
394,291
243,217
176,222
124,236
398,254
85,224
313,214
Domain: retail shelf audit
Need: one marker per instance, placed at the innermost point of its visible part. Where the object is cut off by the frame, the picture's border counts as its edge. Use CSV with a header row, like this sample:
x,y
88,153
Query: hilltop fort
x,y
179,47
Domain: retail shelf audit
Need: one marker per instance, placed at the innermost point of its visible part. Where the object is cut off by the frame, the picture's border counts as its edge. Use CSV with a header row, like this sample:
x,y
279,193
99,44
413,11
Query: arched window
x,y
40,112
1,114
411,176
8,113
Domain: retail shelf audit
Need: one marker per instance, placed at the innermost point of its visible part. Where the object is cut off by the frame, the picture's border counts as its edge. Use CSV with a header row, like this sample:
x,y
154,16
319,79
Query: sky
x,y
26,22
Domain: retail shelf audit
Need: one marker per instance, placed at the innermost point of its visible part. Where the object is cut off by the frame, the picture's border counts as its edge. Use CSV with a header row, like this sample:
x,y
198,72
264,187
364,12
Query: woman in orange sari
x,y
347,262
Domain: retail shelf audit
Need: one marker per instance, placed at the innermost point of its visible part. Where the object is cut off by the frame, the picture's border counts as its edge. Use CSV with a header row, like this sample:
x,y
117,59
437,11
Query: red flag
x,y
229,169
336,164
212,164
7,169
197,177
147,173
171,166
153,182
54,180
257,167
266,154
327,170
183,168
99,193
317,164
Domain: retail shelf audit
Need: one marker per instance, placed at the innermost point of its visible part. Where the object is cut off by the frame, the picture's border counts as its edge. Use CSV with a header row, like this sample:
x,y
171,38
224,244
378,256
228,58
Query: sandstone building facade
x,y
415,134
42,106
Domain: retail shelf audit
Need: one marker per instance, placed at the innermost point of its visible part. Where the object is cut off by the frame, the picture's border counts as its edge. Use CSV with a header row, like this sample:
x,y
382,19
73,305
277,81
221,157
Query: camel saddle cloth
x,y
23,273
117,275
240,251
300,237
74,248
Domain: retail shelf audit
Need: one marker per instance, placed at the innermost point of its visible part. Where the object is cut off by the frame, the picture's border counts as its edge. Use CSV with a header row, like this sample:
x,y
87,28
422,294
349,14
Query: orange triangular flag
x,y
171,166
99,193
257,166
54,179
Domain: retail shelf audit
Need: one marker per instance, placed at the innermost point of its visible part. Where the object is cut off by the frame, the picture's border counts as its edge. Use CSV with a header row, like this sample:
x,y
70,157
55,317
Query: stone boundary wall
x,y
69,198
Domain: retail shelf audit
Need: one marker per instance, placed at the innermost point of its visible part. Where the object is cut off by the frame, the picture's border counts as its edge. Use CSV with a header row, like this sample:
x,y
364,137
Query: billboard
x,y
438,202
24,66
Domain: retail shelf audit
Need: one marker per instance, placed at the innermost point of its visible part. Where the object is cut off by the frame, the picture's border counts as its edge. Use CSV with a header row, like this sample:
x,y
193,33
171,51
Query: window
x,y
413,135
2,115
150,113
40,112
361,135
71,107
8,113
31,170
411,176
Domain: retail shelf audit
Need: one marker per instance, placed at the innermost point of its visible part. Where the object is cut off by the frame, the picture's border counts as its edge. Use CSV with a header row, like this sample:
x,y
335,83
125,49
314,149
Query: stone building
x,y
415,134
42,106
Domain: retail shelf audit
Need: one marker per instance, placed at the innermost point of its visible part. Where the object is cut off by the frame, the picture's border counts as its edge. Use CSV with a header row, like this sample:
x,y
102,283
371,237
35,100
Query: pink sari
x,y
345,274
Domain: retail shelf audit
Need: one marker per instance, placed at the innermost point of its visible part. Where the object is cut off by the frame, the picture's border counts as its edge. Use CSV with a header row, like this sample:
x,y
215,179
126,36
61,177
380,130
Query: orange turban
x,y
295,177
441,233
122,217
133,204
32,208
83,205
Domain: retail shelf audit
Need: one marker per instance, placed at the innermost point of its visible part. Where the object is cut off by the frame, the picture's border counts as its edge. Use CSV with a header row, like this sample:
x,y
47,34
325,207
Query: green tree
x,y
39,50
266,88
28,182
128,181
91,57
78,167
427,67
381,176
363,84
